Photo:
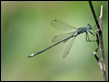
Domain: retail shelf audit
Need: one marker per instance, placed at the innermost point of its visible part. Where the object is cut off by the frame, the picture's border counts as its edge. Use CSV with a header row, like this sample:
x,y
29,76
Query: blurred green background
x,y
26,28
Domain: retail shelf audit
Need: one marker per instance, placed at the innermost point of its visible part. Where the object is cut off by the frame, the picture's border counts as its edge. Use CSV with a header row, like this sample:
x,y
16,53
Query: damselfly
x,y
67,36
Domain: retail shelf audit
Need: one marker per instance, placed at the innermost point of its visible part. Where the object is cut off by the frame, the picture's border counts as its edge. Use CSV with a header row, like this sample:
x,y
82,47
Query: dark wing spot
x,y
55,20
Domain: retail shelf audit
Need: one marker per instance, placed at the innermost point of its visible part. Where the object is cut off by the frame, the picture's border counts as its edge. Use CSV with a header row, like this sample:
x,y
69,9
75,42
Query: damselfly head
x,y
89,27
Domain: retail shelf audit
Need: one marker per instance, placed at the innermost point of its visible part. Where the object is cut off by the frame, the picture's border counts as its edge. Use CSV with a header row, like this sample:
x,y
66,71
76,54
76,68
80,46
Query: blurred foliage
x,y
26,28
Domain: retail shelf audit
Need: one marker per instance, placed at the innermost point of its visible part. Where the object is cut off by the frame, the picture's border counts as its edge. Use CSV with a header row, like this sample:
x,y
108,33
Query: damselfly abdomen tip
x,y
30,56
